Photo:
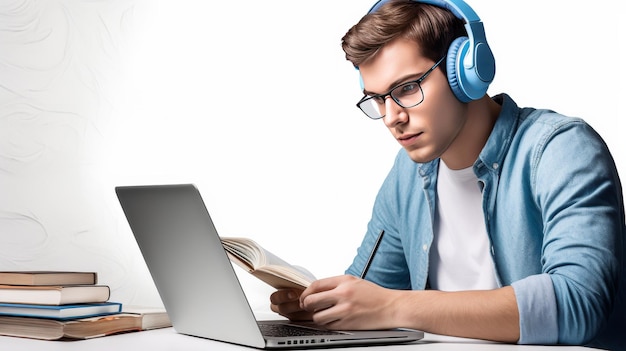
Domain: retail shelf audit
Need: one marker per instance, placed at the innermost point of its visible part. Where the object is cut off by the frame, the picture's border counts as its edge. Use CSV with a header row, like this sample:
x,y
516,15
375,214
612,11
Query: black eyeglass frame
x,y
383,97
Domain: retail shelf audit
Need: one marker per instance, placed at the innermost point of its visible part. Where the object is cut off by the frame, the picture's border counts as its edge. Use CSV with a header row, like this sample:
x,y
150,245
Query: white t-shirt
x,y
460,256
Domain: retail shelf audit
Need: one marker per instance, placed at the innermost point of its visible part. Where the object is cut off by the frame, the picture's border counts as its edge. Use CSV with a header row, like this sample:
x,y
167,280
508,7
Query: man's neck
x,y
481,117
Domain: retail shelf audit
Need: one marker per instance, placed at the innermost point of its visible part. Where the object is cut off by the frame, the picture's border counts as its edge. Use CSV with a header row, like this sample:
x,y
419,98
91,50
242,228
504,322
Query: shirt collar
x,y
499,141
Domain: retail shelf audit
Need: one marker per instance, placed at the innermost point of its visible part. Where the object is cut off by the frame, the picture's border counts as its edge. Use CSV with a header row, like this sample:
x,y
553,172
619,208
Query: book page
x,y
265,265
245,251
253,254
295,275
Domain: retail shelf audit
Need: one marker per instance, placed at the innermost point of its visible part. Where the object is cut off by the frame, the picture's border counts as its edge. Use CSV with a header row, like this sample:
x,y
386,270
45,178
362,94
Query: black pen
x,y
371,258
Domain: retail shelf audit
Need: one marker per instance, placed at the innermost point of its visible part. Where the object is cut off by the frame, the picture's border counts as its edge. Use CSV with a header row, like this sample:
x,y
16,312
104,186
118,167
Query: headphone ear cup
x,y
454,66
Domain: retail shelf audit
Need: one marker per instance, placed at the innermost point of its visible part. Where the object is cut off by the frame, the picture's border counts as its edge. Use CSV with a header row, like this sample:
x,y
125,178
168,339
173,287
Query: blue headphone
x,y
470,63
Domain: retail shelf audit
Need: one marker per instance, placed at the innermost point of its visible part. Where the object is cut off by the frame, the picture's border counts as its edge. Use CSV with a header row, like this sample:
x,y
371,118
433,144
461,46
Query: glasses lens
x,y
408,94
373,107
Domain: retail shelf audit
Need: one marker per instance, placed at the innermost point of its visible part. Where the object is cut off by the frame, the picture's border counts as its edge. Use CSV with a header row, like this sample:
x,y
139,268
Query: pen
x,y
371,258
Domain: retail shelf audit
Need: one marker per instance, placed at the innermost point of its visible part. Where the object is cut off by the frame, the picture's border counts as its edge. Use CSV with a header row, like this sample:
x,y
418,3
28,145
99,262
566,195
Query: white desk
x,y
168,339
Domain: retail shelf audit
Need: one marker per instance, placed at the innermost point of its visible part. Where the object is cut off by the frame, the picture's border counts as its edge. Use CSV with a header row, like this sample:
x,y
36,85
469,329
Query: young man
x,y
499,222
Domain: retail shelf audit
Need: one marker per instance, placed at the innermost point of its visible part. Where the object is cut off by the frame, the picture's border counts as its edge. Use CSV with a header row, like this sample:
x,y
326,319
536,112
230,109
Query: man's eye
x,y
407,89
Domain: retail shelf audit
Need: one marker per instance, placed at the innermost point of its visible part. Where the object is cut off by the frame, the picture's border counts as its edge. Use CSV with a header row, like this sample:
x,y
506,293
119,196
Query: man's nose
x,y
394,113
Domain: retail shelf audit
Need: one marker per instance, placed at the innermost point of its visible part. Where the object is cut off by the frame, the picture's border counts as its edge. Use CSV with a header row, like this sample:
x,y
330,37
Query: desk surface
x,y
168,339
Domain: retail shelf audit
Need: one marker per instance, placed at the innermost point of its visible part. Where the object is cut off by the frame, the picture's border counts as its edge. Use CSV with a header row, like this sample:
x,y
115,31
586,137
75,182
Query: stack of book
x,y
54,305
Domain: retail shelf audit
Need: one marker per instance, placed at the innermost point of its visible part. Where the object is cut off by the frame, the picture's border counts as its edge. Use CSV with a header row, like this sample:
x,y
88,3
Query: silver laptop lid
x,y
190,269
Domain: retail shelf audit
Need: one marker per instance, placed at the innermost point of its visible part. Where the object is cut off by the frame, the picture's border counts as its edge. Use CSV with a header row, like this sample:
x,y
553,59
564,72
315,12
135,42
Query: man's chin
x,y
419,157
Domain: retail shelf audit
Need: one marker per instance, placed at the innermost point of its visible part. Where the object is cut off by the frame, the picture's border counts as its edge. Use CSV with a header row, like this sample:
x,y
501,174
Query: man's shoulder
x,y
534,117
545,118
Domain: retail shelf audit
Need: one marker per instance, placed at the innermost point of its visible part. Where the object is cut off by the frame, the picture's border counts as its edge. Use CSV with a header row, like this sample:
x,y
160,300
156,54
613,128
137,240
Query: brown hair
x,y
432,27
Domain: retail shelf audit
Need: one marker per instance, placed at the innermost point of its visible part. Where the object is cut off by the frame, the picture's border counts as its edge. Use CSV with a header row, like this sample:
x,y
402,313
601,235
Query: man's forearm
x,y
482,314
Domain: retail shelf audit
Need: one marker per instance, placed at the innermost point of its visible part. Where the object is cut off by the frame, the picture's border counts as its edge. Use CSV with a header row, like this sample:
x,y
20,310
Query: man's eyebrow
x,y
401,80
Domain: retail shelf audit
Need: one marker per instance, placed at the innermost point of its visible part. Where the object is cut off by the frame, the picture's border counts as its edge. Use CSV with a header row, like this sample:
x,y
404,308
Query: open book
x,y
265,265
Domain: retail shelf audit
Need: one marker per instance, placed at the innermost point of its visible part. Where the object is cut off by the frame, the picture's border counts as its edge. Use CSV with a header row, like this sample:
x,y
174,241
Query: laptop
x,y
198,284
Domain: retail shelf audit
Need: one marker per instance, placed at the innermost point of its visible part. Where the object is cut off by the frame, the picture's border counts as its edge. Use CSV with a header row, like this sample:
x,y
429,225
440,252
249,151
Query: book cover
x,y
60,312
47,278
54,295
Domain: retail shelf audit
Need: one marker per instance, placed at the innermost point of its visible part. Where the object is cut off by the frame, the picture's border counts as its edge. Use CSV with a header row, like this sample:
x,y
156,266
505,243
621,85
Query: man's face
x,y
427,130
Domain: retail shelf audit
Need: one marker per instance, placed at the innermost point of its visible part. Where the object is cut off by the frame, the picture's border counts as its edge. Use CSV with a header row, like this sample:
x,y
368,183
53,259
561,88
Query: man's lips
x,y
408,139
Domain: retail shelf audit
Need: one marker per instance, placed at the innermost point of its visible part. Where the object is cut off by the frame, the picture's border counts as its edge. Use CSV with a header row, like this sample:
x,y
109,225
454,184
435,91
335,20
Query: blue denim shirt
x,y
554,213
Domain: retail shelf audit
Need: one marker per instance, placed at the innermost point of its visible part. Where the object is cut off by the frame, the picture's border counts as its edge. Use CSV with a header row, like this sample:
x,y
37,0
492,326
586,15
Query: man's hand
x,y
347,302
342,302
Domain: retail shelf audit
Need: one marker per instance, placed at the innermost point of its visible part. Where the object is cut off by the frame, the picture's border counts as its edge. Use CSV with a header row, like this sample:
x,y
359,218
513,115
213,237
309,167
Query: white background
x,y
253,102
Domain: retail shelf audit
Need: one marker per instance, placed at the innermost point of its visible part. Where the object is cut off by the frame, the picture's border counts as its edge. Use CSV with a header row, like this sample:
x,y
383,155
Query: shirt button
x,y
495,166
425,247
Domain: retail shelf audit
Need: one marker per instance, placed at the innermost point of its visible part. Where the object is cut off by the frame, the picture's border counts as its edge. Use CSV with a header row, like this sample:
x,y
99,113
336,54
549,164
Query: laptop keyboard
x,y
286,330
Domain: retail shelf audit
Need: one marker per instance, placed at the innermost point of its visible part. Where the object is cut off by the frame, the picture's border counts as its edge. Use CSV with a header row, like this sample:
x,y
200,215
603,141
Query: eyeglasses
x,y
406,95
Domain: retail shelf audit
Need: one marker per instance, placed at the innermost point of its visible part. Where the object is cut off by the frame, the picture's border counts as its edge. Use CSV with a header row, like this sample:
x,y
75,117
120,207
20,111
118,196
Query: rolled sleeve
x,y
537,307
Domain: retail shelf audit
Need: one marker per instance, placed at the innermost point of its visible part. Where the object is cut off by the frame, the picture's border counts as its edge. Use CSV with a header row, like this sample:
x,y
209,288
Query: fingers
x,y
318,295
287,303
344,302
285,295
326,301
318,301
322,285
